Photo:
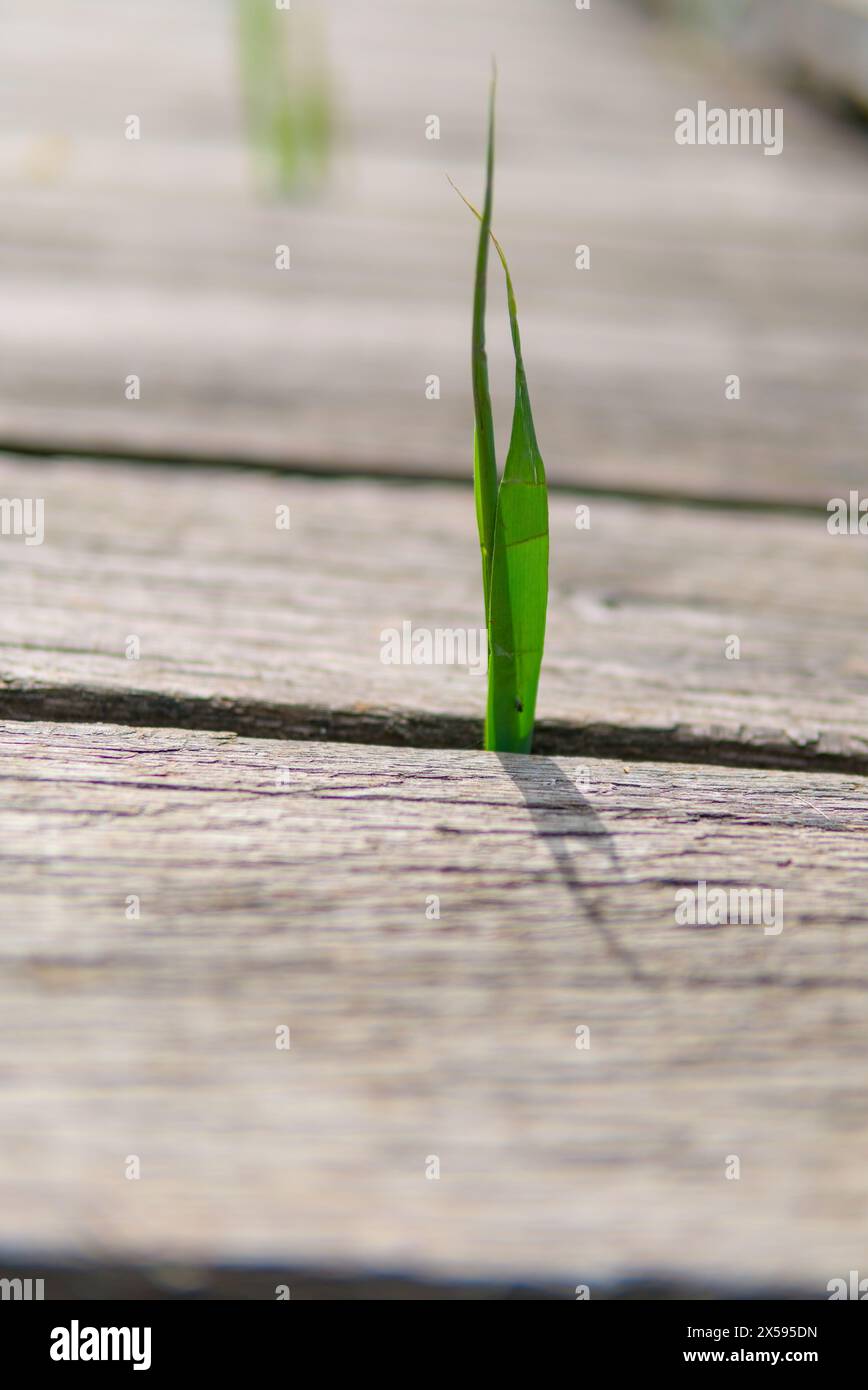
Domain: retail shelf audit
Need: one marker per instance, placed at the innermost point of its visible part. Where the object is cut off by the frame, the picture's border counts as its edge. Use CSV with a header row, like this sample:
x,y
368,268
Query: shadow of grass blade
x,y
519,571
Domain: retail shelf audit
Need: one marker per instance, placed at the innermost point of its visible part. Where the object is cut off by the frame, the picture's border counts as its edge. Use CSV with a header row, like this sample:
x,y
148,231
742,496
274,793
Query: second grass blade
x,y
519,572
484,461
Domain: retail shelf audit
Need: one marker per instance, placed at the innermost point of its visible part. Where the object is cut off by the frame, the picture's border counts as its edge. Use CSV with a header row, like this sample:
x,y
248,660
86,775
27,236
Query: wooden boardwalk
x,y
222,815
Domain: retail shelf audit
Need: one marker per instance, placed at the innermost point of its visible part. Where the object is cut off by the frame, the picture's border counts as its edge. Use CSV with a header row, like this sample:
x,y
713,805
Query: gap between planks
x,y
390,728
69,1278
329,470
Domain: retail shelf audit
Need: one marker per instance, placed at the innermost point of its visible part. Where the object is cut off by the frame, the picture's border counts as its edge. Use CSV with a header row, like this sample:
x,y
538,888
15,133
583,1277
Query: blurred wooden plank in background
x,y
156,258
821,43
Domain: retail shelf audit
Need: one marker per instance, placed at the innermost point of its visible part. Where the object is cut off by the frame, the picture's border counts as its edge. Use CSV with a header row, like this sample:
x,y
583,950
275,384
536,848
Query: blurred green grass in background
x,y
287,96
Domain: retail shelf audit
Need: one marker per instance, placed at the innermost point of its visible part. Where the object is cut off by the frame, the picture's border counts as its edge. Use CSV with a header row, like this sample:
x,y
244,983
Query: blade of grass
x,y
519,571
518,596
484,461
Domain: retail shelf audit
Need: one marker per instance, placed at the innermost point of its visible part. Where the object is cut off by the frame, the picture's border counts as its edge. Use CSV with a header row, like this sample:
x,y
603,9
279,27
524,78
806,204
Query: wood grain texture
x,y
247,628
156,258
286,884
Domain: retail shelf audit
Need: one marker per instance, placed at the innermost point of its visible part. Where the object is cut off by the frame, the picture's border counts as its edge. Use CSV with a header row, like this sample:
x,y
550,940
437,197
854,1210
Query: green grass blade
x,y
519,572
518,594
484,462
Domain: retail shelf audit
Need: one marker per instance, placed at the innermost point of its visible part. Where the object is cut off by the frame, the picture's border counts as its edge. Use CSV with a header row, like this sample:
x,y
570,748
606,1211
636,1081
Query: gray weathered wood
x,y
245,627
286,884
155,258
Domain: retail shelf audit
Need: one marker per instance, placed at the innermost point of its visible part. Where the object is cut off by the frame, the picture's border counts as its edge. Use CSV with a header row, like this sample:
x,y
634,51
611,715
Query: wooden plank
x,y
705,262
245,627
286,884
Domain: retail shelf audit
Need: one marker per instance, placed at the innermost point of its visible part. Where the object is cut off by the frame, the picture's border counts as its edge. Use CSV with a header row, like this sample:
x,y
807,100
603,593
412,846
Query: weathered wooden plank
x,y
246,627
704,262
286,884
